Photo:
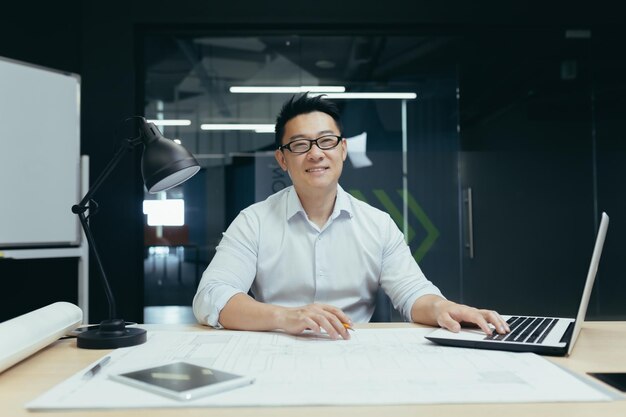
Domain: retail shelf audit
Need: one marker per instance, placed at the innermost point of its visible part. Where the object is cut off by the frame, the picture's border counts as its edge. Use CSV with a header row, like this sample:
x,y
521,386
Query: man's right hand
x,y
242,312
295,320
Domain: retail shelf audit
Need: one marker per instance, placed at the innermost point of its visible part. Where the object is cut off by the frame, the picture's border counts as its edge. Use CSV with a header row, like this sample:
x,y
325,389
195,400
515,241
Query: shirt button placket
x,y
319,268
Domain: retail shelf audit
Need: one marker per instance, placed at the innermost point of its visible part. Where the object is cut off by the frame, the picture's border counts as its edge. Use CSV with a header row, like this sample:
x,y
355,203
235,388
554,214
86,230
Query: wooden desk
x,y
601,347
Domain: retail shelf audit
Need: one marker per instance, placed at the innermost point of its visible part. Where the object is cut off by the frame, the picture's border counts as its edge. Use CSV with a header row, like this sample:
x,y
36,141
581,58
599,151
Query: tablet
x,y
182,380
614,379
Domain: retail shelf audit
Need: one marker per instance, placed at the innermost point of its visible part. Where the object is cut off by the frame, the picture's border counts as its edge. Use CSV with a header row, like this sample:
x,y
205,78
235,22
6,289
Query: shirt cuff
x,y
408,306
216,307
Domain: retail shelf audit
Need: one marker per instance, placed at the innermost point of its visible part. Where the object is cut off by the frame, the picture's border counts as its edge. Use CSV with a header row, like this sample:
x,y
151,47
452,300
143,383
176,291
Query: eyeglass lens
x,y
304,145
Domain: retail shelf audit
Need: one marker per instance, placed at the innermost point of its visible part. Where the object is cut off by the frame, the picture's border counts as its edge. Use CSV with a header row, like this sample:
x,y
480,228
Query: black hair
x,y
303,105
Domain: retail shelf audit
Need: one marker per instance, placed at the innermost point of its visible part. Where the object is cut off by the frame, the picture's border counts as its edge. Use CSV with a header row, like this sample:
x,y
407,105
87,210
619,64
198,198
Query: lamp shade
x,y
164,163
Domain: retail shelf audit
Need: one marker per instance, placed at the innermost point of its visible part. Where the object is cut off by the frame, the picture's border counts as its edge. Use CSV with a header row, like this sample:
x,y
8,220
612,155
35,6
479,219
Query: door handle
x,y
469,243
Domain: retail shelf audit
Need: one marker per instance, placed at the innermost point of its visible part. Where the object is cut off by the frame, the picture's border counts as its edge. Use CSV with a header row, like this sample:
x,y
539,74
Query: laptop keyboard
x,y
526,330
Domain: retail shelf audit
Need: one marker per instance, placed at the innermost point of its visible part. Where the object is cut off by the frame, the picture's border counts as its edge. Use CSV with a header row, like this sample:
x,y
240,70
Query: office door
x,y
527,172
528,230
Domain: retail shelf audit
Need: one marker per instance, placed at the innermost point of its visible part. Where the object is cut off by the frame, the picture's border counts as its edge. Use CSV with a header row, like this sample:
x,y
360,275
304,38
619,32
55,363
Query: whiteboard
x,y
39,156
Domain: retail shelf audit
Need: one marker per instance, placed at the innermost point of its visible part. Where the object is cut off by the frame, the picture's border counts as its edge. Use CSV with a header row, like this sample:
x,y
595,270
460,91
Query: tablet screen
x,y
183,380
180,376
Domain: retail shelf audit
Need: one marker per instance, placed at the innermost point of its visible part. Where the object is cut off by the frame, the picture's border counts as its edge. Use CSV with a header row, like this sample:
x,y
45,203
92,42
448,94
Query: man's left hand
x,y
450,315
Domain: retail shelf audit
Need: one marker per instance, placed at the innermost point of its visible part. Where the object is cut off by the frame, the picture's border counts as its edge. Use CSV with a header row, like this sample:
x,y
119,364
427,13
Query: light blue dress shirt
x,y
274,250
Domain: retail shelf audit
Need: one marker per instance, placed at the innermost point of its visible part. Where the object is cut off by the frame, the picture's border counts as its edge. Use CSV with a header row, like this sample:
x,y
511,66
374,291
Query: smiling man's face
x,y
315,170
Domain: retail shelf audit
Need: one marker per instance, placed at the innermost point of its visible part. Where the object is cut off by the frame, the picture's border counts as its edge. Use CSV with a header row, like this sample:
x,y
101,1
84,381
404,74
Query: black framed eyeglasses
x,y
325,143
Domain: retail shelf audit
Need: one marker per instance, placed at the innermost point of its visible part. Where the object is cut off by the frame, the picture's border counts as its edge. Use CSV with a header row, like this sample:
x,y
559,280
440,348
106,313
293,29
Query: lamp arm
x,y
82,207
127,145
103,277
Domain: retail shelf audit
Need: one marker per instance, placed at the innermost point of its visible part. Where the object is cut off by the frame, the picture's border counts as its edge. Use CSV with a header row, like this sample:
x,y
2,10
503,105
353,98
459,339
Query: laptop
x,y
542,335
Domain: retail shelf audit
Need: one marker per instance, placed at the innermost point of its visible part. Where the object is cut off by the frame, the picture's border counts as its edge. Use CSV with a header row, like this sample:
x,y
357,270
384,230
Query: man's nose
x,y
315,153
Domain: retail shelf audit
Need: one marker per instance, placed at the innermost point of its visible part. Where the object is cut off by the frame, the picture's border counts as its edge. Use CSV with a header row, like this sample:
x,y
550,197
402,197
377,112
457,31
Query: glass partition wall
x,y
485,150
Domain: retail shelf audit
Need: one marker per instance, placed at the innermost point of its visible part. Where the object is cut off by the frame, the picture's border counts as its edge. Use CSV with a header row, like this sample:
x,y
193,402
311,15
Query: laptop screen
x,y
591,276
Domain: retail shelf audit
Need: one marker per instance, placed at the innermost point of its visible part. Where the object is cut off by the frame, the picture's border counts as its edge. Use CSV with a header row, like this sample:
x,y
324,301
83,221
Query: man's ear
x,y
280,158
344,148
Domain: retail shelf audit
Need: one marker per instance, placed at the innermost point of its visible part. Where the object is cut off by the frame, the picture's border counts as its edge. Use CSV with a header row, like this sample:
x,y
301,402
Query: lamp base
x,y
111,334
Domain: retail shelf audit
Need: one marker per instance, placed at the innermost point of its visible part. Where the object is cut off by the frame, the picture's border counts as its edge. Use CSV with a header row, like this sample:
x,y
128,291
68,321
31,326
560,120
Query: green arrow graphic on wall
x,y
431,231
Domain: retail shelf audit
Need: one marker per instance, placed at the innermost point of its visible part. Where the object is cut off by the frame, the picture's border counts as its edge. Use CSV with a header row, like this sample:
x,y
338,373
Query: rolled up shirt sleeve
x,y
231,271
401,278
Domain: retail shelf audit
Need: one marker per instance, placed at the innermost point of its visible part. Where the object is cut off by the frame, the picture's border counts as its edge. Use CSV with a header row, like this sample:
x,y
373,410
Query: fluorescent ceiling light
x,y
259,127
170,122
288,90
266,129
374,96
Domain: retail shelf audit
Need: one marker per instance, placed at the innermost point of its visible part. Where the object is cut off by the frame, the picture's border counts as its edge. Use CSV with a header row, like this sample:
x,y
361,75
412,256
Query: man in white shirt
x,y
312,255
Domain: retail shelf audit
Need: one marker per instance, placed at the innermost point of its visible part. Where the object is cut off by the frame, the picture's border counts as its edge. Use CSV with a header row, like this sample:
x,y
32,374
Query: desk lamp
x,y
164,164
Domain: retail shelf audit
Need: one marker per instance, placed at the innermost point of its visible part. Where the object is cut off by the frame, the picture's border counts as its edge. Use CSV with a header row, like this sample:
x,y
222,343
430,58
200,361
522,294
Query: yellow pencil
x,y
347,326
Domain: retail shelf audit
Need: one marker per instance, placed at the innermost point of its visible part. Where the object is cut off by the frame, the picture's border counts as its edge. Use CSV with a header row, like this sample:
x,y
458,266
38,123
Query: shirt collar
x,y
342,204
293,203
